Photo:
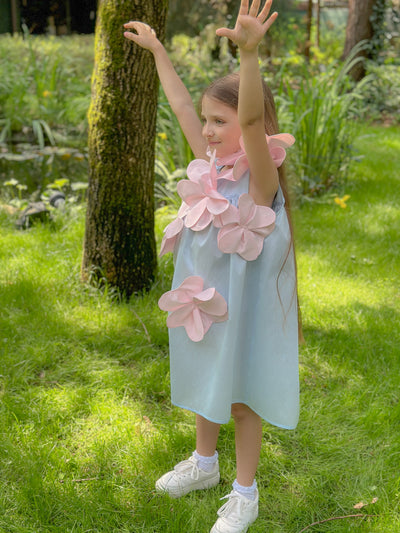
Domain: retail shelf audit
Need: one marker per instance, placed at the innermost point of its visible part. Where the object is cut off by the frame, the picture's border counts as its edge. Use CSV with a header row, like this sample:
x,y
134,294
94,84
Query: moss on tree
x,y
119,238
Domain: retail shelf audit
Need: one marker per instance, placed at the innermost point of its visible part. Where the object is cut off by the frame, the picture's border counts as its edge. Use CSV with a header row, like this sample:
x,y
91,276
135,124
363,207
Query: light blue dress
x,y
251,358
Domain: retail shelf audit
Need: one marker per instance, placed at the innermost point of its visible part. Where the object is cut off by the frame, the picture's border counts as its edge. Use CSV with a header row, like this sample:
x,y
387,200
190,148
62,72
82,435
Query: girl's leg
x,y
242,507
248,436
201,471
206,436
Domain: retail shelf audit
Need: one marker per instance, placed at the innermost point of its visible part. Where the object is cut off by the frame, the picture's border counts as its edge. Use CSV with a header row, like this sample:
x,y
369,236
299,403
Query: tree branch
x,y
360,515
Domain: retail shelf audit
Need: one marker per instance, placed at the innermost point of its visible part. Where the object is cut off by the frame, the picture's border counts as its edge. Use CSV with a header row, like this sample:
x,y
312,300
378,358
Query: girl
x,y
233,313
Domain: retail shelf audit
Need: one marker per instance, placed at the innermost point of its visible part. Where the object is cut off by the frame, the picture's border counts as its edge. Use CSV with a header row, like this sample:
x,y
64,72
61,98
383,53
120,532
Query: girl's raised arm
x,y
251,26
175,91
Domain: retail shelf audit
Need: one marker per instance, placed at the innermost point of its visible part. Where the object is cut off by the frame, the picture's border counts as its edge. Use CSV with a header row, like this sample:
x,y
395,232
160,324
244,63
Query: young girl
x,y
233,310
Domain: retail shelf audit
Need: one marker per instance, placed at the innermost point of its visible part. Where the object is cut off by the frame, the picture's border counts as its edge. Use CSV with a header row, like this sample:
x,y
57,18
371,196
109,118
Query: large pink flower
x,y
194,308
200,194
244,229
277,145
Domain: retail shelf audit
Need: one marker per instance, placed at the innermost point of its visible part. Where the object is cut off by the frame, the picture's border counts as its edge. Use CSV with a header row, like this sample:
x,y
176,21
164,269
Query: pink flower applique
x,y
171,233
200,195
244,229
194,308
276,144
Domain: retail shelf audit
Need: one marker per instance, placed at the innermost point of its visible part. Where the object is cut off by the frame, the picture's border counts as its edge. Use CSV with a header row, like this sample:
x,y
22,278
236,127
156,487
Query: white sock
x,y
248,492
205,463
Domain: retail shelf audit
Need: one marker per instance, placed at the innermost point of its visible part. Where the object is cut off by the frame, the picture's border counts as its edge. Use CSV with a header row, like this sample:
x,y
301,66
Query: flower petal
x,y
285,140
180,316
189,191
247,209
230,216
278,155
192,284
183,294
184,208
171,233
240,167
217,204
197,168
230,238
211,303
195,326
252,245
198,216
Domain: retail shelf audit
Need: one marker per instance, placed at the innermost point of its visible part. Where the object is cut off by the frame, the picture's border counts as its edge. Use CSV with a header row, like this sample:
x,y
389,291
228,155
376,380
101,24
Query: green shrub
x,y
381,96
50,87
320,111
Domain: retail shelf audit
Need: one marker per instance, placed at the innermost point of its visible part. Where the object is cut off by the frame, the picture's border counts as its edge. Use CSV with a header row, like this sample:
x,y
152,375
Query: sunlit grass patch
x,y
87,423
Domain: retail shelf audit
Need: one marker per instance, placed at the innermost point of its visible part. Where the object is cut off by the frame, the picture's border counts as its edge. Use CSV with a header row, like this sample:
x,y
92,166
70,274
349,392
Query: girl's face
x,y
220,127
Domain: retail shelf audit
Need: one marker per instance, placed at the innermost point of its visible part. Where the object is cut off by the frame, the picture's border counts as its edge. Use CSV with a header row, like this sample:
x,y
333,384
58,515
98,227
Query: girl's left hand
x,y
145,36
250,26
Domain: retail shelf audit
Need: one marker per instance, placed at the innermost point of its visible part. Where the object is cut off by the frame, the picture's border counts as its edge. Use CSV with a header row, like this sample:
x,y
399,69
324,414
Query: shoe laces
x,y
230,510
184,467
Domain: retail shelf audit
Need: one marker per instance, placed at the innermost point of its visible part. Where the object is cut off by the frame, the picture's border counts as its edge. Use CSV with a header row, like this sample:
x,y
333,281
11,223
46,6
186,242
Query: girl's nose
x,y
207,131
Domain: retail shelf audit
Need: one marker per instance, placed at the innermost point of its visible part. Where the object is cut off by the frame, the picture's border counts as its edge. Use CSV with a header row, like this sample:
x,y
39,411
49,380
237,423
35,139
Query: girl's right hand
x,y
145,36
251,25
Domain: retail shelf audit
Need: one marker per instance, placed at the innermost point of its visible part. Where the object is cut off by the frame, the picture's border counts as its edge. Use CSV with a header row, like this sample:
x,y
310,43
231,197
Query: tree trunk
x,y
309,29
119,244
359,28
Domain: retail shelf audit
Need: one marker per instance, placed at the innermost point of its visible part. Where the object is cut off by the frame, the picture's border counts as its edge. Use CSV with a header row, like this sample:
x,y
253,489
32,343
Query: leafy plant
x,y
48,95
165,187
172,146
320,112
381,96
37,167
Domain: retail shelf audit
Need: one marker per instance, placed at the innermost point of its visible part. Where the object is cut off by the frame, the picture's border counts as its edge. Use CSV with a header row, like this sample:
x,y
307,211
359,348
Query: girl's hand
x,y
145,36
250,26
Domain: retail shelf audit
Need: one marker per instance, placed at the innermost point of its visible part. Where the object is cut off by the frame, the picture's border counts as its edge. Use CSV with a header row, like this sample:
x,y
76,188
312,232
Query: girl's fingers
x,y
254,8
130,24
265,10
136,25
244,7
270,21
224,32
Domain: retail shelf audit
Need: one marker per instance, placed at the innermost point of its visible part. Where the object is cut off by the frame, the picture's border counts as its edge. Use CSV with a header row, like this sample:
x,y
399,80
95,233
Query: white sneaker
x,y
236,514
187,476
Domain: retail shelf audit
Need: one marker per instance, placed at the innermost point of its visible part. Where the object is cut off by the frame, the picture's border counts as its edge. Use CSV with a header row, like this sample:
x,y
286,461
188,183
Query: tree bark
x,y
309,29
359,28
119,244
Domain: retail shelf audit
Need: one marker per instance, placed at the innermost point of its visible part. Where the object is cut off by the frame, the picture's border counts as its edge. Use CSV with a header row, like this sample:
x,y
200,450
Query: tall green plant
x,y
319,111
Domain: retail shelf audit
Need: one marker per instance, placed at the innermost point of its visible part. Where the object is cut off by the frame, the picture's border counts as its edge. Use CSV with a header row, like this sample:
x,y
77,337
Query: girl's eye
x,y
219,121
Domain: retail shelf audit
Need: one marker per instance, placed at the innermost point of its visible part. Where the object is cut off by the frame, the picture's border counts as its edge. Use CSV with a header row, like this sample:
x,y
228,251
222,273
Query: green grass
x,y
86,422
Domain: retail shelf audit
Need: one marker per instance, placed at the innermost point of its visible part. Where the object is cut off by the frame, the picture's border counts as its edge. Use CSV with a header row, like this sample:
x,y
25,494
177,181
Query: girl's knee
x,y
240,411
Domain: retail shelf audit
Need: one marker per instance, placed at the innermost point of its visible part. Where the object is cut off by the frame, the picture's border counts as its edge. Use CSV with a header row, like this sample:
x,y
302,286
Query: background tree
x,y
309,19
119,238
365,22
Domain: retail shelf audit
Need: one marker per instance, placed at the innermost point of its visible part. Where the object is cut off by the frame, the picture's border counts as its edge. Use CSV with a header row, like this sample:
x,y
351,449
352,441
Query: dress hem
x,y
281,426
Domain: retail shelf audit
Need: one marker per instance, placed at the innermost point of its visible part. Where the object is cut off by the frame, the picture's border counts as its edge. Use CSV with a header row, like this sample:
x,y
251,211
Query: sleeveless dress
x,y
232,308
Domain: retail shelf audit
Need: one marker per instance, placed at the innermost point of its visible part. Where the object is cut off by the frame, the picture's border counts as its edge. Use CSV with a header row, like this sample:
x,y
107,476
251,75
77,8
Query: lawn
x,y
86,421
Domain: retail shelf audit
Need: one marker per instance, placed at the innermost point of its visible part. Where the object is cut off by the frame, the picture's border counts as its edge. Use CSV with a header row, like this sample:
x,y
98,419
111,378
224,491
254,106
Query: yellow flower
x,y
163,136
46,94
342,201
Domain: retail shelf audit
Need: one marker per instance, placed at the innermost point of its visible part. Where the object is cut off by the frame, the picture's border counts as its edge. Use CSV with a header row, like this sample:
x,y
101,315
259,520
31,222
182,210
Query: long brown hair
x,y
226,90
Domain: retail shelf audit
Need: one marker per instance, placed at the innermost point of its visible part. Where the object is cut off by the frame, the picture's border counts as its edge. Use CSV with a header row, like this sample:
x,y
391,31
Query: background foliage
x,y
84,387
44,102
